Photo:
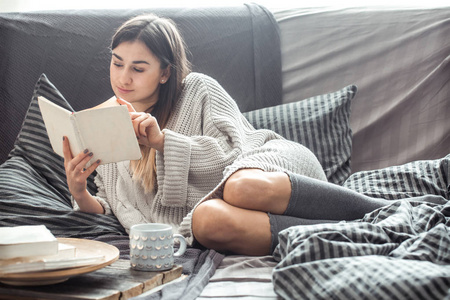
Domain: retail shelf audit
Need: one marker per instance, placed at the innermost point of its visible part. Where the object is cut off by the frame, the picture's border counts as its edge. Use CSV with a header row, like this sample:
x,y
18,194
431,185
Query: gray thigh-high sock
x,y
315,199
281,222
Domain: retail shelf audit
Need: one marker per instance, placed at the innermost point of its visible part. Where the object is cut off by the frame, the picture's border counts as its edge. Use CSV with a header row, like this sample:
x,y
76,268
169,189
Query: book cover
x,y
107,132
22,241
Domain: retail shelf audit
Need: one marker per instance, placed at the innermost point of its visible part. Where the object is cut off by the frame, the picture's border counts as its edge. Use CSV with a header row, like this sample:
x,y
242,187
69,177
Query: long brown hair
x,y
163,39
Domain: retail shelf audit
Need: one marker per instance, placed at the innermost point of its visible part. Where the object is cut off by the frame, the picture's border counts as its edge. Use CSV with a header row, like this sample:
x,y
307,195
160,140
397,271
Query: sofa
x,y
367,90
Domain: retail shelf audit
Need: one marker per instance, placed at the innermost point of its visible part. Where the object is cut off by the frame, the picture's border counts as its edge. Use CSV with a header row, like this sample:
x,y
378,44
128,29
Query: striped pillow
x,y
33,144
321,123
33,188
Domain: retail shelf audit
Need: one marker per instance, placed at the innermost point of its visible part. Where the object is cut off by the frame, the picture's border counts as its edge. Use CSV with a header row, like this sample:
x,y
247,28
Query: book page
x,y
58,122
108,133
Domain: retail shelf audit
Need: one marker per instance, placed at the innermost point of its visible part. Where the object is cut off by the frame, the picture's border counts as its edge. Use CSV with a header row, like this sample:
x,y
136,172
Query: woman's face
x,y
136,74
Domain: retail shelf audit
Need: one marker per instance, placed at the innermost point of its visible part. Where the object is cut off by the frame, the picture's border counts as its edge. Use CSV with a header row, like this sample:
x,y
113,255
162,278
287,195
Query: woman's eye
x,y
117,65
138,70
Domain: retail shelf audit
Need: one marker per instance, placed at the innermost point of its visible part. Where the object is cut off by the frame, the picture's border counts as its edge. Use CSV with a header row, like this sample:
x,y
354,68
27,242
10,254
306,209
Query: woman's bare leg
x,y
239,223
296,195
258,190
224,227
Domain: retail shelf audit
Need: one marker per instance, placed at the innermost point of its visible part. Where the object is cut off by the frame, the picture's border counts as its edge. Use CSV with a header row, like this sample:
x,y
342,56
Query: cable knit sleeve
x,y
101,194
206,134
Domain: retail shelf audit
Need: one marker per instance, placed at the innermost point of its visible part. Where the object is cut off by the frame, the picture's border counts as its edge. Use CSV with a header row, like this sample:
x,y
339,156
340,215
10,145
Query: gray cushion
x,y
33,144
33,188
321,123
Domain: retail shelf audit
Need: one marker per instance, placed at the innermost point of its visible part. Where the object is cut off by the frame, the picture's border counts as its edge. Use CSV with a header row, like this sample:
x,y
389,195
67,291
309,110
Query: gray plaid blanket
x,y
401,251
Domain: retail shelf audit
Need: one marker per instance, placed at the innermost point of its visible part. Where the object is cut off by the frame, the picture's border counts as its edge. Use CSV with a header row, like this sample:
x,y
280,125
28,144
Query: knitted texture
x,y
206,140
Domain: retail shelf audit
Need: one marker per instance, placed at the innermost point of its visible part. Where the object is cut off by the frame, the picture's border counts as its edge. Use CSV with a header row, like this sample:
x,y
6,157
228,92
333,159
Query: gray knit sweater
x,y
206,140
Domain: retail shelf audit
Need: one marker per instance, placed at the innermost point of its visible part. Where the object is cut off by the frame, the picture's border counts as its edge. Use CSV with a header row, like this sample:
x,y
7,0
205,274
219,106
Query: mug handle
x,y
182,248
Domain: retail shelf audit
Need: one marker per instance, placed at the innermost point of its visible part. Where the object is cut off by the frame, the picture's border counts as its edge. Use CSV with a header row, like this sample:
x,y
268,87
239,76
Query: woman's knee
x,y
257,189
212,224
245,185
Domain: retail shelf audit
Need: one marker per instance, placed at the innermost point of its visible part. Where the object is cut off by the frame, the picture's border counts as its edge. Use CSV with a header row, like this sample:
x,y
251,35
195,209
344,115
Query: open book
x,y
107,132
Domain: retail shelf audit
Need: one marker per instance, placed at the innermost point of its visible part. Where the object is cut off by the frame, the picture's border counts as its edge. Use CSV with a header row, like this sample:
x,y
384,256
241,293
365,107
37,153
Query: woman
x,y
204,169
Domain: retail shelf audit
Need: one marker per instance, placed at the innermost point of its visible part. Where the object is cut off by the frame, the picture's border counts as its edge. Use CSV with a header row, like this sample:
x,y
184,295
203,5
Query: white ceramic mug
x,y
151,247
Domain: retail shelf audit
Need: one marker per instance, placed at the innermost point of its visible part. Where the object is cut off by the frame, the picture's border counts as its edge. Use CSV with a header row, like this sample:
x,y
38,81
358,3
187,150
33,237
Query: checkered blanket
x,y
401,251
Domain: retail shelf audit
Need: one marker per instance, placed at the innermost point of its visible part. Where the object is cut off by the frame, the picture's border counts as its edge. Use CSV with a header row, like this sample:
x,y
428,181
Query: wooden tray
x,y
84,247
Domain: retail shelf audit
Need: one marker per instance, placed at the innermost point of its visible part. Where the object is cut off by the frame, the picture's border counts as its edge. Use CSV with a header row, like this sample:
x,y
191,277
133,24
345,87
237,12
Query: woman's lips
x,y
124,91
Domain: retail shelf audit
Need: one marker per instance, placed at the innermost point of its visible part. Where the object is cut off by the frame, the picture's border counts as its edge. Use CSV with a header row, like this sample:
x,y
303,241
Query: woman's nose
x,y
125,77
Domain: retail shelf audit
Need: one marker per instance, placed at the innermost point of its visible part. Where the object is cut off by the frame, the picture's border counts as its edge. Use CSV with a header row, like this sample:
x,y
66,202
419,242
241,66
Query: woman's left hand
x,y
146,127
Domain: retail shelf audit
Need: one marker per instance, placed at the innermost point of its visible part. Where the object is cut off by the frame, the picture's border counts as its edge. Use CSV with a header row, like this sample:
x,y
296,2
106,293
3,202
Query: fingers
x,y
68,156
70,162
91,168
128,104
136,117
75,167
77,164
77,174
142,123
66,149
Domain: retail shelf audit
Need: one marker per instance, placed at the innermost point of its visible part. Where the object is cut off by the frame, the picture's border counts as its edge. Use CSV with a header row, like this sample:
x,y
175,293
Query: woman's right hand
x,y
76,171
146,127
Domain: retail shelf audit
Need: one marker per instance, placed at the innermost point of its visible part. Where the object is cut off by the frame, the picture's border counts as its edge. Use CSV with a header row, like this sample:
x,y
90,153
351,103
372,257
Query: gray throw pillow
x,y
33,144
320,123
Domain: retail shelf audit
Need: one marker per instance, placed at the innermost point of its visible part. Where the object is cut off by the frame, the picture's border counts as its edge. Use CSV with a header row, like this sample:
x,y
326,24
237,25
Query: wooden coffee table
x,y
116,281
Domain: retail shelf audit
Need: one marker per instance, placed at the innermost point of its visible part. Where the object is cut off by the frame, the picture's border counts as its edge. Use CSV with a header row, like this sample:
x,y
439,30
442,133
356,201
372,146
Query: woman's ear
x,y
165,75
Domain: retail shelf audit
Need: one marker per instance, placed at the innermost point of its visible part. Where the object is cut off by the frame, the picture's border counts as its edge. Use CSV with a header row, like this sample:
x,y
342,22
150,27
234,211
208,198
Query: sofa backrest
x,y
238,46
400,60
